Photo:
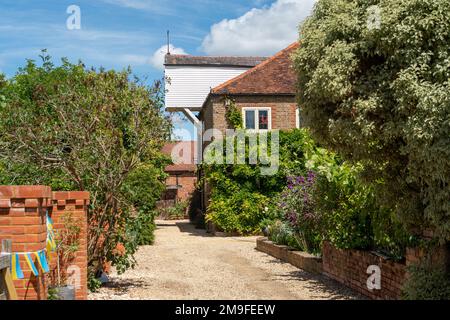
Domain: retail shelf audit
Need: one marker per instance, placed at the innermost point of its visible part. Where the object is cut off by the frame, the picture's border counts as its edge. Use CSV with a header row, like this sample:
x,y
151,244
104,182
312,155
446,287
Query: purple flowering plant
x,y
298,208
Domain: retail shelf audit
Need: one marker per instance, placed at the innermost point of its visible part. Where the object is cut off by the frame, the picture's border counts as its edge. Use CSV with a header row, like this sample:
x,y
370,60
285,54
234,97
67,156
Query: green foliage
x,y
282,233
93,283
22,174
427,282
52,294
242,211
233,116
346,206
176,212
142,228
240,193
381,97
352,218
81,129
144,185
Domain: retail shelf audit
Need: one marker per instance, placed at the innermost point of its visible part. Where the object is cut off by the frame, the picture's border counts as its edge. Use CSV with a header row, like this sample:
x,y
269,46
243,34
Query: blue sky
x,y
120,33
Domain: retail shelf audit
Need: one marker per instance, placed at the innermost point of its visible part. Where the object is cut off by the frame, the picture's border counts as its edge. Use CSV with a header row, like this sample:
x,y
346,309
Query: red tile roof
x,y
273,76
188,162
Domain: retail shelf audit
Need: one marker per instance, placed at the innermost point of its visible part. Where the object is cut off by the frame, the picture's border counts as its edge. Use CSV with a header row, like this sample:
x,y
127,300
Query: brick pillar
x,y
22,220
75,204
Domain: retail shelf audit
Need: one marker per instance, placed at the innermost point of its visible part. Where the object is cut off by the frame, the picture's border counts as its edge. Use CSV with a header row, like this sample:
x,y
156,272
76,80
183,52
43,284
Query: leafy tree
x,y
374,86
86,130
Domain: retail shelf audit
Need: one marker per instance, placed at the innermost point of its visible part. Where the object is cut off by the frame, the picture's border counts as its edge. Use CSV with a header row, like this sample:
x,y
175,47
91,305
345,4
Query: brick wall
x,y
302,260
349,267
187,183
283,110
23,220
73,204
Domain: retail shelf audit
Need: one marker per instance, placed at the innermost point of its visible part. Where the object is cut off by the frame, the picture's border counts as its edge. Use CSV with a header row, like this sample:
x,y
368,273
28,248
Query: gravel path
x,y
186,263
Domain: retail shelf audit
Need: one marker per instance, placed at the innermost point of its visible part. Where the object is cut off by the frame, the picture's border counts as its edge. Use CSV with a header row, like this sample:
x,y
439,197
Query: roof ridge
x,y
222,56
254,69
183,59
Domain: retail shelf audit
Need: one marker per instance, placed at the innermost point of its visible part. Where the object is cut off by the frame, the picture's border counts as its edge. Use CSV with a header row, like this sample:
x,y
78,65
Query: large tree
x,y
88,130
374,86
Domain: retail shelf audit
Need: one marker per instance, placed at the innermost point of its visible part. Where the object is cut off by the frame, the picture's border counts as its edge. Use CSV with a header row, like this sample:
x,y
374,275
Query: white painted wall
x,y
188,86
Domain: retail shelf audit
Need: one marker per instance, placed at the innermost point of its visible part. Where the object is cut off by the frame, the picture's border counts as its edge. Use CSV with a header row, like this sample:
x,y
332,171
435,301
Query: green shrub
x,y
427,282
176,212
93,283
144,185
240,194
142,228
240,212
352,218
346,208
381,96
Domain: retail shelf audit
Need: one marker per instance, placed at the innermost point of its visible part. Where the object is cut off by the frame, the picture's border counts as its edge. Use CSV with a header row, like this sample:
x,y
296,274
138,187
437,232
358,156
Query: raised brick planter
x,y
349,267
298,259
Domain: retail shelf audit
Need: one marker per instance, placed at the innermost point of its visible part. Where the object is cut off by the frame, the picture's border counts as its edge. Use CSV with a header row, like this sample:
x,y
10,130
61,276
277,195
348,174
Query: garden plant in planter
x,y
67,244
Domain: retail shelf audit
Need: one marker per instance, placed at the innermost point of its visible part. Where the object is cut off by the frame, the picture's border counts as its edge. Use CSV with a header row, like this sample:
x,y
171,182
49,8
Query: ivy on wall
x,y
233,115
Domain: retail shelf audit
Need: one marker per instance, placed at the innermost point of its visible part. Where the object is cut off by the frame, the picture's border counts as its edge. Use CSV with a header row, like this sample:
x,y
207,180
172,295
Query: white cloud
x,y
260,31
157,59
155,6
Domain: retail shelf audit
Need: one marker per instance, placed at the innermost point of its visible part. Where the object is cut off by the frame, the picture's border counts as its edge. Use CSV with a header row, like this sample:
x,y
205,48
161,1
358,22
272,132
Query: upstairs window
x,y
257,118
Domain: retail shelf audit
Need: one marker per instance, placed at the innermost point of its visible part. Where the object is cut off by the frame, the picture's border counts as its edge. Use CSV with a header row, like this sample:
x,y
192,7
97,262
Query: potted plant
x,y
67,244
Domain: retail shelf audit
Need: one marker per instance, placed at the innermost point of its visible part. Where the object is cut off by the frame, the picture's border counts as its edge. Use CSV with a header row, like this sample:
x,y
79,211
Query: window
x,y
257,118
298,119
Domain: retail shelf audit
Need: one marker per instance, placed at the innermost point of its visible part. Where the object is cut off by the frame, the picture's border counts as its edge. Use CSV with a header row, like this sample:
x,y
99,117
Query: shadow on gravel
x,y
322,285
187,227
123,286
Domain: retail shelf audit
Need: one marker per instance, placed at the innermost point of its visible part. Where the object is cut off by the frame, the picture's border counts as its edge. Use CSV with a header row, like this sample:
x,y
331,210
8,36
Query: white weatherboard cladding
x,y
188,86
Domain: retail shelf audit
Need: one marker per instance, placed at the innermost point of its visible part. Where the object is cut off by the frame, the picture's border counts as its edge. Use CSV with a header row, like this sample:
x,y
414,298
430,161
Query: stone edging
x,y
299,259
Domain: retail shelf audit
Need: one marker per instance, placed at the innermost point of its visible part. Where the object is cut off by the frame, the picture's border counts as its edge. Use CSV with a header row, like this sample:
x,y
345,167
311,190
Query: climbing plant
x,y
232,114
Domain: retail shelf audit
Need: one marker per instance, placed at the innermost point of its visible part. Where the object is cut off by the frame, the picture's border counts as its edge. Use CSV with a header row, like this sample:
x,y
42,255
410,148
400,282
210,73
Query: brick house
x,y
182,175
263,89
265,95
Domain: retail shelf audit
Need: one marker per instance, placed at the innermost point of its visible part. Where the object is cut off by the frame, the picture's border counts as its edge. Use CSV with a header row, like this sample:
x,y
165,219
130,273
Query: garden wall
x,y
75,204
23,212
299,259
349,267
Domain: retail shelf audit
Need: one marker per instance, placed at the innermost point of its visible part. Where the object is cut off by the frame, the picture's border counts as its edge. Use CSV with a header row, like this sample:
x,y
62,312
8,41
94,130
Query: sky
x,y
116,34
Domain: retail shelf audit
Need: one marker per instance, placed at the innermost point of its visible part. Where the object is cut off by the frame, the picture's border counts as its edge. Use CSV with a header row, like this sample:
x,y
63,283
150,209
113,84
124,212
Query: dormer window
x,y
257,118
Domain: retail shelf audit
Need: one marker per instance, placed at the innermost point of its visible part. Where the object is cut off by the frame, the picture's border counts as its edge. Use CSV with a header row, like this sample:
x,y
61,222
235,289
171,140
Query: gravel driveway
x,y
186,263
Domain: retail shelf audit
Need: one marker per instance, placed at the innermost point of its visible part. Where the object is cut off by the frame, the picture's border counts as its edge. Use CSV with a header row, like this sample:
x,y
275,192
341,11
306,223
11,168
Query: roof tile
x,y
273,76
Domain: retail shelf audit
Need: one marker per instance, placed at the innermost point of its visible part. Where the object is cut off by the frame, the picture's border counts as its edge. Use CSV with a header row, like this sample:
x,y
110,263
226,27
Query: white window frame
x,y
257,109
297,118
